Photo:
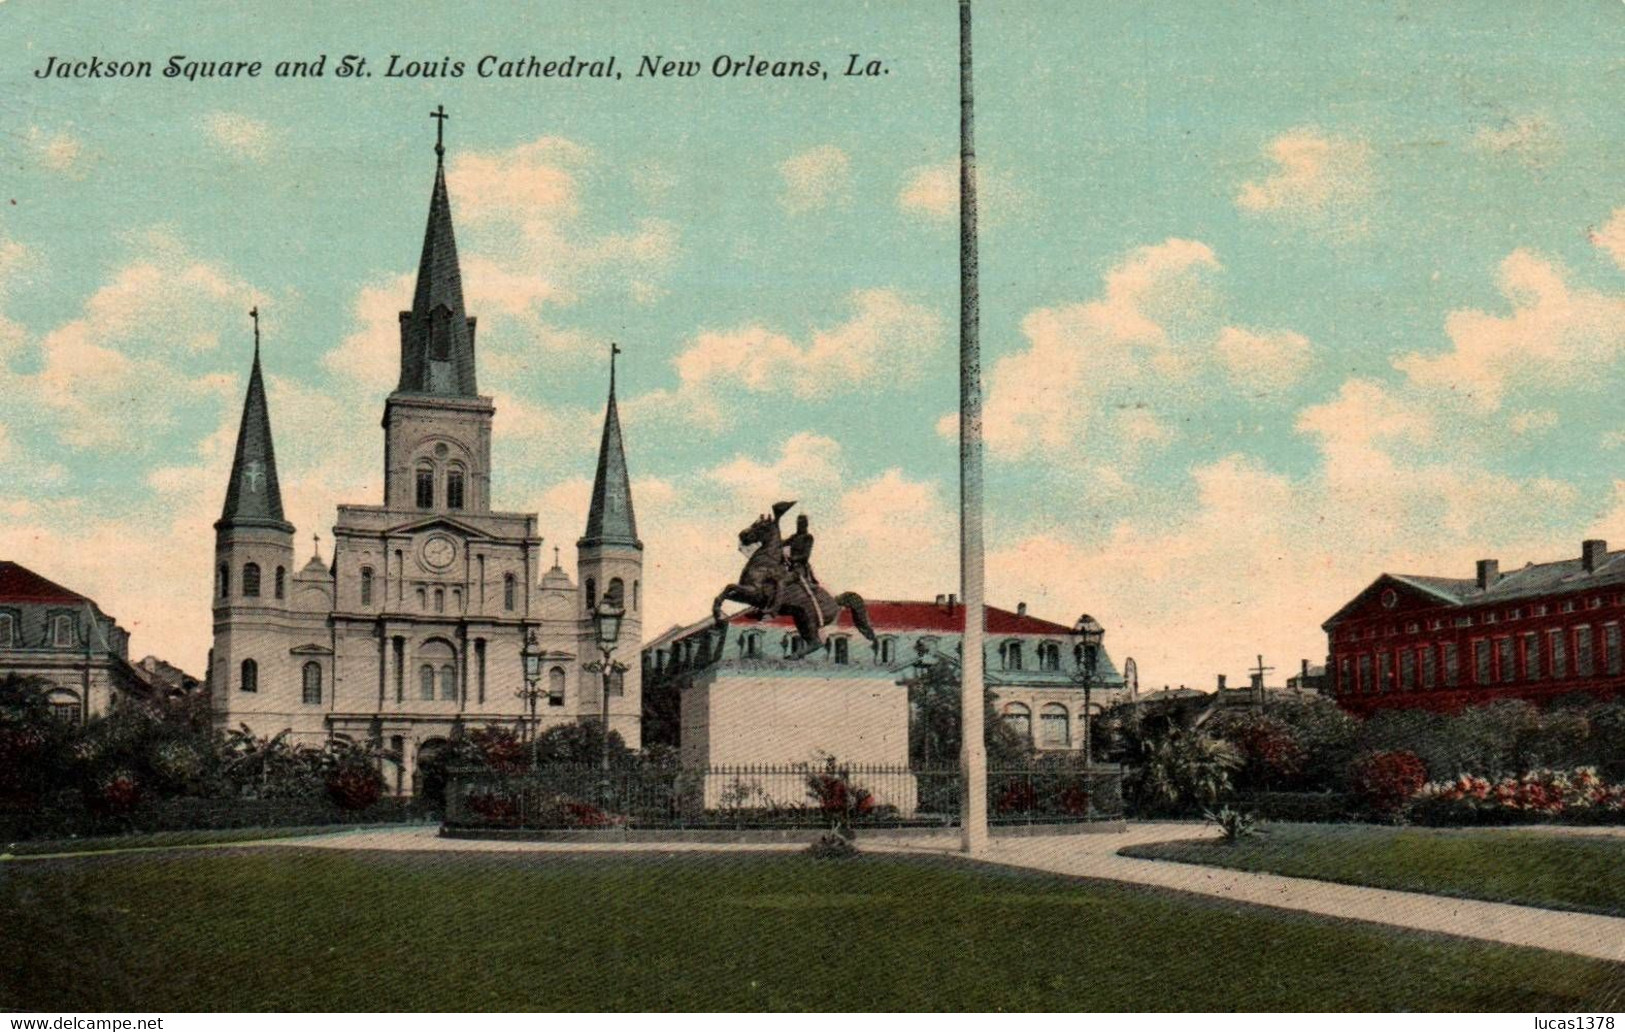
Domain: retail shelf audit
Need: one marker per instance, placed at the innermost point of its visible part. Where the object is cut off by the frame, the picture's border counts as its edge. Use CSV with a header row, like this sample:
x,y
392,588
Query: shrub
x,y
1234,825
832,846
1579,794
355,786
1386,781
837,797
1180,768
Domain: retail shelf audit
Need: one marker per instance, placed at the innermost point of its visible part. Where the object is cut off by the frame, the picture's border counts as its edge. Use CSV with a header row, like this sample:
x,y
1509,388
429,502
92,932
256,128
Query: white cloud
x,y
1532,421
1611,237
1263,361
58,151
886,341
932,192
1555,337
1320,181
1529,138
239,135
815,178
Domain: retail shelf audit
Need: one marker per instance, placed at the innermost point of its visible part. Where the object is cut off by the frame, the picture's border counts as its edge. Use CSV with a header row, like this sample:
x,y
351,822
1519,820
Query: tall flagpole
x,y
973,745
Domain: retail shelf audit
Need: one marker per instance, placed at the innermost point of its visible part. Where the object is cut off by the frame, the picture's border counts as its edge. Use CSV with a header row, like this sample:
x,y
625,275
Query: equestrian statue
x,y
778,581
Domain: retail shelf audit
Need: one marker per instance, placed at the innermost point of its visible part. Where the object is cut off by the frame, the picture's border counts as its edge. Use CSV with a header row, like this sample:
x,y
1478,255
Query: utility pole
x,y
973,744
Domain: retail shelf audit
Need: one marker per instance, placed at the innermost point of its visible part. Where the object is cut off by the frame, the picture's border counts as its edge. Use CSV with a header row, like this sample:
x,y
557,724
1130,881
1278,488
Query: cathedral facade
x,y
418,622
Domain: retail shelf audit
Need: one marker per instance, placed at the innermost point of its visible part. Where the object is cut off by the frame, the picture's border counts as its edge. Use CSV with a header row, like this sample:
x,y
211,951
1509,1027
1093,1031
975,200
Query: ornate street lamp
x,y
531,655
607,625
1086,653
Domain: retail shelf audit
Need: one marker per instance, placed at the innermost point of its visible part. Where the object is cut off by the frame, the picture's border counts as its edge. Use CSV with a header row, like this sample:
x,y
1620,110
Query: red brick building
x,y
1543,631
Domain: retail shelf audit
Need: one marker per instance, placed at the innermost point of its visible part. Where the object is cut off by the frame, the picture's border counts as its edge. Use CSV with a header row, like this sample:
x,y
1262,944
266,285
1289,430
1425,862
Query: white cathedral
x,y
419,620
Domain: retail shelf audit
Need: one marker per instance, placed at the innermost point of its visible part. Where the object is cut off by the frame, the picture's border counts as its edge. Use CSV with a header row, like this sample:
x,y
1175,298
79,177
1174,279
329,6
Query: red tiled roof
x,y
927,616
20,584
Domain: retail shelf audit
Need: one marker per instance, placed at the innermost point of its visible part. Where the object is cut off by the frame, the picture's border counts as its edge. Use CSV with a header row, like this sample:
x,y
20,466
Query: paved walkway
x,y
1095,856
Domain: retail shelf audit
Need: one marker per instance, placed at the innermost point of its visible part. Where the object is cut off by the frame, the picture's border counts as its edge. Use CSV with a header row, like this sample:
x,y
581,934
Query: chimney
x,y
952,598
1221,682
1593,554
1021,609
942,600
1489,571
1304,674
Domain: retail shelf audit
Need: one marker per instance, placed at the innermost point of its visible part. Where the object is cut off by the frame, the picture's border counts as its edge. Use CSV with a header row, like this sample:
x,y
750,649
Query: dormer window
x,y
62,631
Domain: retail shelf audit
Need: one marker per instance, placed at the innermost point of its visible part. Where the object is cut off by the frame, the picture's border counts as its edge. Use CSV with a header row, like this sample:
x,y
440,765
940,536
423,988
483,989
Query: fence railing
x,y
777,796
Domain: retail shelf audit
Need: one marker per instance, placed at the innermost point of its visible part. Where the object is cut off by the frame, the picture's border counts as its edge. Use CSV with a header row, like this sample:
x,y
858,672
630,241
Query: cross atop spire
x,y
614,349
254,313
440,116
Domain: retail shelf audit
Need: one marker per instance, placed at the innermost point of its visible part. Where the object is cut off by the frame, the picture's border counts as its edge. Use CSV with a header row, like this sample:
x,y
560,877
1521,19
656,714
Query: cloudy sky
x,y
1275,298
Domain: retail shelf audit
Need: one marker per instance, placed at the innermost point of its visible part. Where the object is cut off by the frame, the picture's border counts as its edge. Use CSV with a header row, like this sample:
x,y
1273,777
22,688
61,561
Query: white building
x,y
418,620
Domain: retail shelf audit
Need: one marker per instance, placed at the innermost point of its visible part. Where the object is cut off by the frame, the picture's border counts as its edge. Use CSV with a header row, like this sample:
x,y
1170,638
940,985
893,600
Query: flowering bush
x,y
355,786
1538,794
117,793
1386,781
837,798
1017,796
495,808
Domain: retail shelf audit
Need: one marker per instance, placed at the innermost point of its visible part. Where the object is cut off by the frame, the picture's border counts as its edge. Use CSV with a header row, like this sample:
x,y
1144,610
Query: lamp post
x,y
1087,654
531,655
607,625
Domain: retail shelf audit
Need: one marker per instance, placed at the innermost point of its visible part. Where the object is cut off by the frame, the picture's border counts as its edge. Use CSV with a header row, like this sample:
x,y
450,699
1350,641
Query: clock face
x,y
439,552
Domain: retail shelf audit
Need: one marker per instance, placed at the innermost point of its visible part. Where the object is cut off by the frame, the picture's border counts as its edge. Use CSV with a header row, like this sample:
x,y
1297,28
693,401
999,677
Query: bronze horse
x,y
768,585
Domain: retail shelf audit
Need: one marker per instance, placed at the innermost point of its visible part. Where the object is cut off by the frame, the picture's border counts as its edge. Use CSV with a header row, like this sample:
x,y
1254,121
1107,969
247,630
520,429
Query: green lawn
x,y
1561,871
303,929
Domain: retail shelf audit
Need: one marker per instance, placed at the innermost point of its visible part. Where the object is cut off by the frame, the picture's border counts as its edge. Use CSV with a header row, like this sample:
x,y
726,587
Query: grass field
x,y
296,929
1564,872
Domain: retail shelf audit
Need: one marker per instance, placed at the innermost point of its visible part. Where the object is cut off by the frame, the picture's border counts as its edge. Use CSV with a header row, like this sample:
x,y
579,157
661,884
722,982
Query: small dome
x,y
557,580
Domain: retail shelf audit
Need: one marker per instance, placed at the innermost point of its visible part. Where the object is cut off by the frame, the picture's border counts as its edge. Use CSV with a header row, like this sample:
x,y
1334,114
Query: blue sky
x,y
1276,297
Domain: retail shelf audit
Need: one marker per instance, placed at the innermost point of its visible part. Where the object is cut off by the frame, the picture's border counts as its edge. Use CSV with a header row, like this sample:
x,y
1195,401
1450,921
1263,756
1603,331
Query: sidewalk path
x,y
1095,856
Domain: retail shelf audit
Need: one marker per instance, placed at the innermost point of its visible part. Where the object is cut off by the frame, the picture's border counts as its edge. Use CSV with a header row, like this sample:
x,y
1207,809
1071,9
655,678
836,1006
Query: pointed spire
x,y
610,520
437,336
253,497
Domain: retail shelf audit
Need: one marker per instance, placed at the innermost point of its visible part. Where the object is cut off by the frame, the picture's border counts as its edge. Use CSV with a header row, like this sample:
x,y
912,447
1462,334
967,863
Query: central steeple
x,y
437,336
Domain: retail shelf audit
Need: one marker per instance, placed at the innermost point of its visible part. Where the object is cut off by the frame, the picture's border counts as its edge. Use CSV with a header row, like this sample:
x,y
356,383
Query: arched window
x,y
592,594
251,676
1049,656
1011,651
634,596
454,489
752,645
888,650
438,659
366,585
425,487
251,580
1055,726
62,631
281,582
423,598
1019,719
65,707
223,581
311,680
615,594
510,589
8,630
555,686
440,600
841,651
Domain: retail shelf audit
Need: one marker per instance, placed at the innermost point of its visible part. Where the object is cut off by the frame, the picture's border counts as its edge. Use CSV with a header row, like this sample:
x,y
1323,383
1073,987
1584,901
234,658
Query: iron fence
x,y
770,796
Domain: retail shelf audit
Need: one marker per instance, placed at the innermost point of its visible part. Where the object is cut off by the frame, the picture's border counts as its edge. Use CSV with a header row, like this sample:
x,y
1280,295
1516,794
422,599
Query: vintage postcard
x,y
940,505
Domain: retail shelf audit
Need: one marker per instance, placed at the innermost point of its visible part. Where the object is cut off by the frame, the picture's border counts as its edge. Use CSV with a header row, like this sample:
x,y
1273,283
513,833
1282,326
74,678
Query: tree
x,y
1180,768
933,727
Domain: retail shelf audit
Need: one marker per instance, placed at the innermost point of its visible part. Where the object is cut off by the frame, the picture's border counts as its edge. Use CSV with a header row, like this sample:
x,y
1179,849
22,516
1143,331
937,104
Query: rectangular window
x,y
366,585
1407,670
1344,673
1385,671
8,633
1505,660
1365,672
68,712
1611,639
454,489
1452,665
479,666
1560,658
1430,671
425,489
1584,662
1532,668
400,669
1481,662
